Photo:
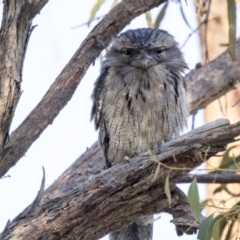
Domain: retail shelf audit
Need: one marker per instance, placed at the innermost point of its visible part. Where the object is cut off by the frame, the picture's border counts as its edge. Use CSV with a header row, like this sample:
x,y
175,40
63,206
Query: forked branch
x,y
120,195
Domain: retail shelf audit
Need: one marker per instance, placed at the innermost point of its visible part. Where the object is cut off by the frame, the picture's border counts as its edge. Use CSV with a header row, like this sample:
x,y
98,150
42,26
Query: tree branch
x,y
66,83
217,78
213,80
212,178
102,198
14,35
122,194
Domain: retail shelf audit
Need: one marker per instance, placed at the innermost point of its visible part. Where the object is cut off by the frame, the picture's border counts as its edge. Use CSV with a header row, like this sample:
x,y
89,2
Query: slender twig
x,y
212,178
87,23
221,107
62,89
195,30
231,193
183,15
226,105
206,28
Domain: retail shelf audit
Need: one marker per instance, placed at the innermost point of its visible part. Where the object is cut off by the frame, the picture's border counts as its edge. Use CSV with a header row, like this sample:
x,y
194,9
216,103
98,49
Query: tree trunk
x,y
212,40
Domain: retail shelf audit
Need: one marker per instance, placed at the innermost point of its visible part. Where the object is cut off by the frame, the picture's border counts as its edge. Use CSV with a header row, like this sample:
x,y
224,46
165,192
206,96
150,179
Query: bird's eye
x,y
160,50
127,52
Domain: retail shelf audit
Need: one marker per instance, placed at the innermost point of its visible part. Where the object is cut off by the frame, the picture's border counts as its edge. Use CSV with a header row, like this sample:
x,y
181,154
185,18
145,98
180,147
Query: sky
x,y
52,44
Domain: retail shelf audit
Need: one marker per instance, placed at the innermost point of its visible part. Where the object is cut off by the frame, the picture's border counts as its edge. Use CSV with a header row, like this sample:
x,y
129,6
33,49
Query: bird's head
x,y
145,48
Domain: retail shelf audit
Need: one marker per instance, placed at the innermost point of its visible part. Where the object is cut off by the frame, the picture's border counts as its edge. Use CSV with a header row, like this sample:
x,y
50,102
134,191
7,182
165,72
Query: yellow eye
x,y
160,50
127,52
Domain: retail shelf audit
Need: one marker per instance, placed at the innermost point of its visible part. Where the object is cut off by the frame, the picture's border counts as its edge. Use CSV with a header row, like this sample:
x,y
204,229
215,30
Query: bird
x,y
139,102
139,99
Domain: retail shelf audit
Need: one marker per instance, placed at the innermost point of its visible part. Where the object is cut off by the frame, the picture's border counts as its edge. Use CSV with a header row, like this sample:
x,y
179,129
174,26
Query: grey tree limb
x,y
204,84
66,83
14,35
62,204
88,165
213,80
120,195
212,178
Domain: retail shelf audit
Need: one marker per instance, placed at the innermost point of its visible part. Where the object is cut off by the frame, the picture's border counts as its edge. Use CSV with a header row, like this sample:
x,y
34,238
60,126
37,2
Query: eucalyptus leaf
x,y
228,161
205,230
232,28
160,16
95,9
149,19
193,199
216,229
167,190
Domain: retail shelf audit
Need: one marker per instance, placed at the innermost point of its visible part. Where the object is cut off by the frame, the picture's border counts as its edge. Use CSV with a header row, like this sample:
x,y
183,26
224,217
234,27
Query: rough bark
x,y
213,80
15,31
213,178
204,85
212,40
220,81
80,208
120,195
66,83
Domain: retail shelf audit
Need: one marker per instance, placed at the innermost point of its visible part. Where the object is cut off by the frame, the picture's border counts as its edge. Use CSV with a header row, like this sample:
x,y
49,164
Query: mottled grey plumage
x,y
139,99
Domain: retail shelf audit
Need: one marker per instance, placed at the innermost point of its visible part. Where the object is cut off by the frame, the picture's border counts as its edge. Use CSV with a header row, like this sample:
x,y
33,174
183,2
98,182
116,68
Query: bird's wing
x,y
97,97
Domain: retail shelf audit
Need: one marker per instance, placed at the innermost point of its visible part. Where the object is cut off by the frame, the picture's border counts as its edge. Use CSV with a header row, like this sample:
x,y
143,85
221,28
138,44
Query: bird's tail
x,y
142,229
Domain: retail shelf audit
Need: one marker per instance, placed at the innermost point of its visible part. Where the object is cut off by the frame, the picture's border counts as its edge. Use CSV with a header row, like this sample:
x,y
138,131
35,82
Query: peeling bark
x,y
213,80
66,83
14,35
216,78
120,195
104,201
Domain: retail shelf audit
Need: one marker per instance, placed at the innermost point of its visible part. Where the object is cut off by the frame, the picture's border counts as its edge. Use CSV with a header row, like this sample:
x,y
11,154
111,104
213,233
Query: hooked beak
x,y
144,63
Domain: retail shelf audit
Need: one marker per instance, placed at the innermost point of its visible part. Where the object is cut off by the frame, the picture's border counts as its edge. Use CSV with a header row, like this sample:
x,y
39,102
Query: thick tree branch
x,y
103,199
223,76
213,80
65,85
14,35
217,78
120,195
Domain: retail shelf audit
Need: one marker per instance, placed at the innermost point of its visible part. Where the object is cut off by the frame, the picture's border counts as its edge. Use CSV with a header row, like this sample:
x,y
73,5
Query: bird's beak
x,y
143,63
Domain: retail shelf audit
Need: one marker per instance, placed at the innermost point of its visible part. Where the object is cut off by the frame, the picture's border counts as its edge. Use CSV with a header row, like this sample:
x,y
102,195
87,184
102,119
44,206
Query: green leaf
x,y
222,223
205,230
228,161
218,226
216,229
149,19
232,28
160,16
167,190
193,199
95,8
